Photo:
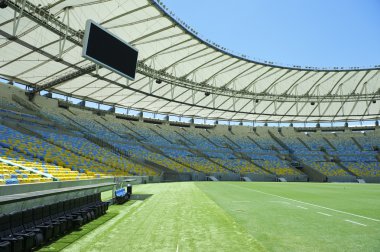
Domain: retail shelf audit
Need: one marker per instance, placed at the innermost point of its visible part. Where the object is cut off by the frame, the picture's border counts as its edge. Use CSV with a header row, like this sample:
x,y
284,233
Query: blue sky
x,y
320,33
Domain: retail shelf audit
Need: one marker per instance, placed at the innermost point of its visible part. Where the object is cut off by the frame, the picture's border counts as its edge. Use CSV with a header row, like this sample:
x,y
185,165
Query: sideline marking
x,y
329,215
177,247
302,207
357,223
279,201
240,201
239,210
310,204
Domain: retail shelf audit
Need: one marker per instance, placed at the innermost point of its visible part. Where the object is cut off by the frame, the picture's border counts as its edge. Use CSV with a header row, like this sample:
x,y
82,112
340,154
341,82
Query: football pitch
x,y
239,216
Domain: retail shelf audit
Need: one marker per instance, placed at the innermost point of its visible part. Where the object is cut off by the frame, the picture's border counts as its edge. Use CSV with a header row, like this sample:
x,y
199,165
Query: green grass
x,y
69,239
267,212
238,216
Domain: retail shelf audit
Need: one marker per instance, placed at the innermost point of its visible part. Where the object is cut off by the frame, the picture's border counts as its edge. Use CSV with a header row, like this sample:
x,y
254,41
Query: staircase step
x,y
211,178
329,143
304,144
357,144
246,179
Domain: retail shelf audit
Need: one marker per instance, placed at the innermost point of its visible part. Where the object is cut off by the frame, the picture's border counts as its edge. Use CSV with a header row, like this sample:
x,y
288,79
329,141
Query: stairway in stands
x,y
161,136
255,142
114,132
239,154
102,143
357,144
313,174
329,143
160,152
201,154
304,144
184,137
232,142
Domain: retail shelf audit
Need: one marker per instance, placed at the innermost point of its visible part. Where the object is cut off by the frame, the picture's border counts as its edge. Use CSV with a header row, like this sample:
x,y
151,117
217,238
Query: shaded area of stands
x,y
59,141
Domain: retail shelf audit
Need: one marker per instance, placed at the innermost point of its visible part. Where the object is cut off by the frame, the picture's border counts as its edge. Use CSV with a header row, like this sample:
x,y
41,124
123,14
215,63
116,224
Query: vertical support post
x,y
16,19
62,41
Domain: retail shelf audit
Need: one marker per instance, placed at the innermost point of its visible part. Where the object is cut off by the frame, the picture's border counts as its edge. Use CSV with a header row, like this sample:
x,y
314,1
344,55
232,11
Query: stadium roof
x,y
41,43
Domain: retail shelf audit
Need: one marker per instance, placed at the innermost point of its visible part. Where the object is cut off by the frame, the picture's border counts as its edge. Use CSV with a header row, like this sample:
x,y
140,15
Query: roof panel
x,y
238,88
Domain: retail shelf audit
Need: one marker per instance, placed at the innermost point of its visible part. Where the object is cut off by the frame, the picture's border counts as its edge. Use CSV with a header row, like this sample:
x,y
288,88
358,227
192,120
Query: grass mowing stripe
x,y
282,226
85,242
306,203
176,215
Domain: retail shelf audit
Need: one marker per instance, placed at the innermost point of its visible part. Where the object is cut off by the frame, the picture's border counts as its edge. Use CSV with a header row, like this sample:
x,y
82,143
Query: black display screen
x,y
109,51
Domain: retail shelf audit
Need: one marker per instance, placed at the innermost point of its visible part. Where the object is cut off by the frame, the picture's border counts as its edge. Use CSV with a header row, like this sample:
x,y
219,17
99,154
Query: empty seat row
x,y
31,228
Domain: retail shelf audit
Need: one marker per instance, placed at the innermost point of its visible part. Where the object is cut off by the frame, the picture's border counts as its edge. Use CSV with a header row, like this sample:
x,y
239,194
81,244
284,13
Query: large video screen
x,y
109,51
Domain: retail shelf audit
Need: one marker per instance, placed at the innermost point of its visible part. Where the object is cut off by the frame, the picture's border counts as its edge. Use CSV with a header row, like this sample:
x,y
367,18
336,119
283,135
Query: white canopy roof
x,y
40,44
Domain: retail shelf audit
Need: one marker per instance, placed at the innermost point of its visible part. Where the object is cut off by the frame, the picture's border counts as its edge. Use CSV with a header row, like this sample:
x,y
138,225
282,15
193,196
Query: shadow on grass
x,y
140,196
70,238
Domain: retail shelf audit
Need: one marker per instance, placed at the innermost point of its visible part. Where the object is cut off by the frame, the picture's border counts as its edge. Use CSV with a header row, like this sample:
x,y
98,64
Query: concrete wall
x,y
296,178
226,176
372,179
24,188
45,200
341,179
260,177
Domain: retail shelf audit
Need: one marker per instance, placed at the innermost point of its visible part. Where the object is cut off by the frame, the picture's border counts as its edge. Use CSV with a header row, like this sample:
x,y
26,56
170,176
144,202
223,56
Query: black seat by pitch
x,y
77,219
5,246
99,201
28,223
18,230
84,206
46,220
38,220
54,217
76,210
7,235
62,215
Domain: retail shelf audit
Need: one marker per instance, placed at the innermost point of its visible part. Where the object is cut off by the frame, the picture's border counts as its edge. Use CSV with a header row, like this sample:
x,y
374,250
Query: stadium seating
x,y
59,145
29,229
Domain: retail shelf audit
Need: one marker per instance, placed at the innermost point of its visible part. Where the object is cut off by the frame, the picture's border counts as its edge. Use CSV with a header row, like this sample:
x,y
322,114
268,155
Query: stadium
x,y
123,129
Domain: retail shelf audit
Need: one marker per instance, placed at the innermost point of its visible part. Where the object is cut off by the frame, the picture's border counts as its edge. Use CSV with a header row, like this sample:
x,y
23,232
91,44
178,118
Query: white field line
x,y
279,201
238,210
325,214
302,207
241,201
310,204
177,247
357,223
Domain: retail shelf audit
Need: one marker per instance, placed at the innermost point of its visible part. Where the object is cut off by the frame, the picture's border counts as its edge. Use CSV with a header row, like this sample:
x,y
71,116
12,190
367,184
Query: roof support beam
x,y
255,79
224,68
16,19
342,104
163,50
238,75
126,13
202,65
134,23
300,98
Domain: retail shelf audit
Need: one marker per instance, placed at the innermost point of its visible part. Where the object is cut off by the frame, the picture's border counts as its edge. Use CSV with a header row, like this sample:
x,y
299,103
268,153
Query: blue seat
x,y
120,192
11,181
121,196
